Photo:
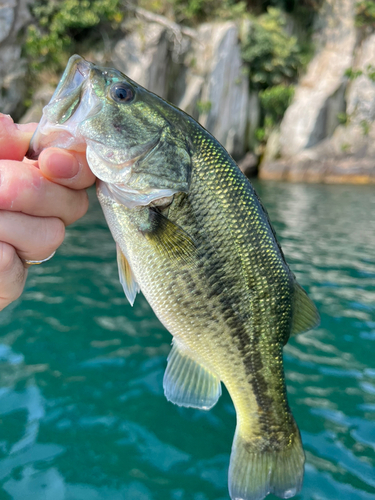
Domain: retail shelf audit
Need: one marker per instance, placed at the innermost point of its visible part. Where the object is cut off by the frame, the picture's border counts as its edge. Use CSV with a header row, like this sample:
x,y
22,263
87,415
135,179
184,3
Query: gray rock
x,y
347,169
200,72
314,148
14,15
249,165
361,91
225,89
40,99
144,55
191,97
6,21
319,96
272,151
253,120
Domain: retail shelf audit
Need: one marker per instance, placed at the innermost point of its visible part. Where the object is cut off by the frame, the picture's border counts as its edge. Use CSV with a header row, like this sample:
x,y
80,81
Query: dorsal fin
x,y
127,280
189,383
305,313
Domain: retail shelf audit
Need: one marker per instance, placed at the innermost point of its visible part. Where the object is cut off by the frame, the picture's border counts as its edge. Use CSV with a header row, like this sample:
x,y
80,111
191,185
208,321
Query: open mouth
x,y
76,72
72,103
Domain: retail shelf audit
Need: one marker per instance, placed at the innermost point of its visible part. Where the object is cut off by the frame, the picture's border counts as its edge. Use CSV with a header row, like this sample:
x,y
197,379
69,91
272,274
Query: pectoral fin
x,y
168,238
188,383
305,316
127,280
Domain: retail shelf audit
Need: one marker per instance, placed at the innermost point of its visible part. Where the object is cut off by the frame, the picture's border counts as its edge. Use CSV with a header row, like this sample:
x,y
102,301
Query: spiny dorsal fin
x,y
305,315
127,280
188,383
169,238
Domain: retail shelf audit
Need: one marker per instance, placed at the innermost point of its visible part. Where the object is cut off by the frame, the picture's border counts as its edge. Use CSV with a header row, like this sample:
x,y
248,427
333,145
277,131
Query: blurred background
x,y
288,87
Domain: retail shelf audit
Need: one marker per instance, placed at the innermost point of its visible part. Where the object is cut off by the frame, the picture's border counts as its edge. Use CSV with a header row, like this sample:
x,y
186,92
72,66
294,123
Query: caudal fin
x,y
253,474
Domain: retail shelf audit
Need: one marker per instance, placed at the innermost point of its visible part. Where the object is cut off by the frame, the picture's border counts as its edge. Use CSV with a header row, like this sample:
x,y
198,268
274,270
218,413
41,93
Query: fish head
x,y
133,139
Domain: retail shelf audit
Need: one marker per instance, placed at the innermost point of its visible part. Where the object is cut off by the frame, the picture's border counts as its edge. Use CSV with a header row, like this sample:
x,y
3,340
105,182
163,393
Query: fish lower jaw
x,y
57,139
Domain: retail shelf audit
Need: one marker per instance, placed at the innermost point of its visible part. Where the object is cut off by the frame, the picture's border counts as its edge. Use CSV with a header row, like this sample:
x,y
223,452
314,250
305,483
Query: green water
x,y
82,411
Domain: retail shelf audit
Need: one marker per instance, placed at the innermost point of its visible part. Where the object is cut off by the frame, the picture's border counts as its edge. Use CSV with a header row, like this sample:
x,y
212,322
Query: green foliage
x,y
370,72
274,56
262,133
275,100
365,126
59,24
193,12
352,74
365,14
343,118
204,106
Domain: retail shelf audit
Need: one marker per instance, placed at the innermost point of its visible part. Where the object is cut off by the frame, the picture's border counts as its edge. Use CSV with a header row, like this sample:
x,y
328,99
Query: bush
x,y
275,101
273,56
58,25
196,11
365,14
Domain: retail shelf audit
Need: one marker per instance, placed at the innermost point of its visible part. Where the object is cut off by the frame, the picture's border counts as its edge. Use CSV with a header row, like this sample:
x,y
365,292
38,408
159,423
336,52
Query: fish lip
x,y
84,67
75,78
69,80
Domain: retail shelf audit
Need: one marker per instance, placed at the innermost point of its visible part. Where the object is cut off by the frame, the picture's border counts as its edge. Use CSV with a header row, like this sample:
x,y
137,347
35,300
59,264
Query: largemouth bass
x,y
193,236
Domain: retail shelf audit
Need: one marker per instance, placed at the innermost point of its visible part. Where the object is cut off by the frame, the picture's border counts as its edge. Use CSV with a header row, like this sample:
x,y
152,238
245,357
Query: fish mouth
x,y
72,103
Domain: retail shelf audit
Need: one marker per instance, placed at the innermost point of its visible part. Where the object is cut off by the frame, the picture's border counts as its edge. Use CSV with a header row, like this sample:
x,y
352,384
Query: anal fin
x,y
127,280
188,383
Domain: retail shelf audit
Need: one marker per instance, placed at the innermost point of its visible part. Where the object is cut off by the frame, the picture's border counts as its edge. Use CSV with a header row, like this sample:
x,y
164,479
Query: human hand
x,y
35,203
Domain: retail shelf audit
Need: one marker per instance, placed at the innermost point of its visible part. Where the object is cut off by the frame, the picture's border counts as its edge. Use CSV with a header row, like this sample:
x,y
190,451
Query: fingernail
x,y
62,165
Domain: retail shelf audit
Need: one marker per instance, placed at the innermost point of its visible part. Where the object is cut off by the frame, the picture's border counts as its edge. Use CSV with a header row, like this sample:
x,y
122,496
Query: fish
x,y
193,236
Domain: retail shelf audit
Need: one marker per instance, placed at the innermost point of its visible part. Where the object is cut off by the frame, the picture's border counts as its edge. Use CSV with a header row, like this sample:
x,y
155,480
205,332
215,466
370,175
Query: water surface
x,y
82,410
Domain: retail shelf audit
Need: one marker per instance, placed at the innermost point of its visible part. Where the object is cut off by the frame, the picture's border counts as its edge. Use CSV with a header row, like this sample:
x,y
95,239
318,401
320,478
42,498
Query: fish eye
x,y
121,92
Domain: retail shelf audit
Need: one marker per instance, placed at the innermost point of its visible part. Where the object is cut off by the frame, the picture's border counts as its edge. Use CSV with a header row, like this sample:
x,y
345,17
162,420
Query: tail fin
x,y
253,474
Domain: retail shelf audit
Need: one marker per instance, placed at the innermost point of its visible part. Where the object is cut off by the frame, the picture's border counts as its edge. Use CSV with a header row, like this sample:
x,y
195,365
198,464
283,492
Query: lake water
x,y
82,410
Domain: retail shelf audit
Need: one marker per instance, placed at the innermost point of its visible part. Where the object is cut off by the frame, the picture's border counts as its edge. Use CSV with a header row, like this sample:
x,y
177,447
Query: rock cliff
x,y
339,86
327,133
14,16
200,71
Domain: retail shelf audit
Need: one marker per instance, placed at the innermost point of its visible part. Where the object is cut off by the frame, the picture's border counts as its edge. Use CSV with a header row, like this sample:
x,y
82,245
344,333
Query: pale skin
x,y
38,199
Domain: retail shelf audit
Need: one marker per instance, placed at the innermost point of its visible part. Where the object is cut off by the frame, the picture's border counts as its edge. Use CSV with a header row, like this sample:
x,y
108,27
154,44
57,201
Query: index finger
x,y
14,138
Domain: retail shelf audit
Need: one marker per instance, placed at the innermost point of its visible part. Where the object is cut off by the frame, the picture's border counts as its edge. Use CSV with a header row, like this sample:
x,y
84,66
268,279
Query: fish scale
x,y
193,236
228,170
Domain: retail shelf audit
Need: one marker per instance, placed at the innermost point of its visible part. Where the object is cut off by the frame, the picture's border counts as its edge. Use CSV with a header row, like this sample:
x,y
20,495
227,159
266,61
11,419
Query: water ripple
x,y
83,415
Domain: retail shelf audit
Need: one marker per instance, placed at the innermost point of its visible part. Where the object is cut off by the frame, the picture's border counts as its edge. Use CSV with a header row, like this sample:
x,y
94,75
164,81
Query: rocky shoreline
x,y
327,133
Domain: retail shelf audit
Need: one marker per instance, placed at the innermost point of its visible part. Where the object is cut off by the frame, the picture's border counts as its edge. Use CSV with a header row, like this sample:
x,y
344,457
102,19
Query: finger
x,y
24,189
66,168
12,275
14,139
34,238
